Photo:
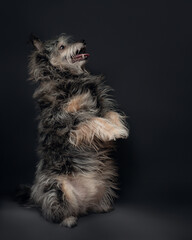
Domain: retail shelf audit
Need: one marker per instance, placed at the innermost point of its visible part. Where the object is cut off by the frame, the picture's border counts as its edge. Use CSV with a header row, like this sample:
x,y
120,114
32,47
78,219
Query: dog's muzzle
x,y
80,55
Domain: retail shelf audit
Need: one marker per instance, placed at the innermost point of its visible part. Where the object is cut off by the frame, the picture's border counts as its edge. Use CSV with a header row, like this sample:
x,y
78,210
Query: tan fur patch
x,y
78,102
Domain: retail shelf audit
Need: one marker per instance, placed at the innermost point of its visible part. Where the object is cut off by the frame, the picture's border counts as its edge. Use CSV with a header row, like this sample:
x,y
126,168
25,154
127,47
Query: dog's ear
x,y
37,43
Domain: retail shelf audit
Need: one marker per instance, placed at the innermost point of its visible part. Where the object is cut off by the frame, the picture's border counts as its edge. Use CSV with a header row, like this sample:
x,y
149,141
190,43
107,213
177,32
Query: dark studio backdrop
x,y
145,51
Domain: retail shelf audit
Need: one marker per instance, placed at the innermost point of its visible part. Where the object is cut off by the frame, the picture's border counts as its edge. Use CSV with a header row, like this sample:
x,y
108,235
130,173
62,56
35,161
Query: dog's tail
x,y
23,196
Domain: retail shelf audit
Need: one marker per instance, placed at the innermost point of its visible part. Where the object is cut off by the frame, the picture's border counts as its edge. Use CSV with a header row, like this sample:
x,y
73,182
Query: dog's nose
x,y
83,41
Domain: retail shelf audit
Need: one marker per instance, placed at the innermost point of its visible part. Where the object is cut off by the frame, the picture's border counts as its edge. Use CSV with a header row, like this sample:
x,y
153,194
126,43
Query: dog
x,y
78,123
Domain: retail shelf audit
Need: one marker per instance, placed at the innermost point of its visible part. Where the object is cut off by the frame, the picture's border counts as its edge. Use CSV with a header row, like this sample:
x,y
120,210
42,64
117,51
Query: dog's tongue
x,y
79,57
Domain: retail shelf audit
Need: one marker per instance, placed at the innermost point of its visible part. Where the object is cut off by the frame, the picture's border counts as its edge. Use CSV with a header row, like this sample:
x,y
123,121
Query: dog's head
x,y
62,53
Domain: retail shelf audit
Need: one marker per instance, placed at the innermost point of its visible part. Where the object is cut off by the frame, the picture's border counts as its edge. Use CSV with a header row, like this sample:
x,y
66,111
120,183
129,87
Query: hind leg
x,y
69,222
54,205
55,208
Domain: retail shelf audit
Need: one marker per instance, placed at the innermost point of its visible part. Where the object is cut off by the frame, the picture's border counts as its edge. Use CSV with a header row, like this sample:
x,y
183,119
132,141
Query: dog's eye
x,y
61,47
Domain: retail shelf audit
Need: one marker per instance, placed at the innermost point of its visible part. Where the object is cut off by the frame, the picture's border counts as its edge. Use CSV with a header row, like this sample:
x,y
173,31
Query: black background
x,y
145,51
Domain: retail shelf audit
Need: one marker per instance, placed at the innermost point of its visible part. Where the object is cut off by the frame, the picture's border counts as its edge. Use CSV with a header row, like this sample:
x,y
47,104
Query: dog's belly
x,y
82,190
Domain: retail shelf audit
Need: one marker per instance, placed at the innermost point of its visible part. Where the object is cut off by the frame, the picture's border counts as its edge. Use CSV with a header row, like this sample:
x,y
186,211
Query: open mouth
x,y
80,55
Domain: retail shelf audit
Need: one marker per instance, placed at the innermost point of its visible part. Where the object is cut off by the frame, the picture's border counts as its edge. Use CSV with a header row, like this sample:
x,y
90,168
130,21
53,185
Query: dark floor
x,y
126,222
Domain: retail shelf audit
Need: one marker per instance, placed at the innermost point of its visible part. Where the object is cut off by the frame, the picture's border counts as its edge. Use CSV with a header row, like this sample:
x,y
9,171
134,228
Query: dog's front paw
x,y
119,129
122,133
118,132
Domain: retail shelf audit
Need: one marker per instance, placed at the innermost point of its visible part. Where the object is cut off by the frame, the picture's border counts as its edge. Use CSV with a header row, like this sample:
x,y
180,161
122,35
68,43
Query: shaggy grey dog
x,y
78,123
